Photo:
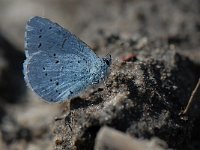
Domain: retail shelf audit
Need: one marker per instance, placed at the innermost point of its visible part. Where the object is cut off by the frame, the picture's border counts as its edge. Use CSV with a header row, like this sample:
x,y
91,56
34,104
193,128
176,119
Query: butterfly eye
x,y
107,62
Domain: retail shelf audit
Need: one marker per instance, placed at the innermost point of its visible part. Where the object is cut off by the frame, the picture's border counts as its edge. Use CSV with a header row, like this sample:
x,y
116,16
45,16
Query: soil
x,y
155,67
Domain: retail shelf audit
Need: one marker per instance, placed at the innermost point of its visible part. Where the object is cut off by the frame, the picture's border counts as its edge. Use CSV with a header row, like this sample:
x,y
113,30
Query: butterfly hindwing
x,y
56,78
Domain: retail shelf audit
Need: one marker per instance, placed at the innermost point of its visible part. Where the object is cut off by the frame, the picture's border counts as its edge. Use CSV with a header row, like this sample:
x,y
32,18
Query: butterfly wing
x,y
56,79
58,64
44,35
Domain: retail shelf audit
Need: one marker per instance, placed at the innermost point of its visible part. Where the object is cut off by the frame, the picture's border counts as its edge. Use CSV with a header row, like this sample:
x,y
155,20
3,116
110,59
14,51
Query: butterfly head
x,y
106,66
107,60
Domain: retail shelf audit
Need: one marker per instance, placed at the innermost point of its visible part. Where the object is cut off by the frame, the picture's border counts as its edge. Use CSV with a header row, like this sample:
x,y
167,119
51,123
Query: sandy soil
x,y
156,65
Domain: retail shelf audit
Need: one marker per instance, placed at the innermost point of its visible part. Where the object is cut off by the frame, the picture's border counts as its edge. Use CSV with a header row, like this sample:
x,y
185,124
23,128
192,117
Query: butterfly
x,y
58,65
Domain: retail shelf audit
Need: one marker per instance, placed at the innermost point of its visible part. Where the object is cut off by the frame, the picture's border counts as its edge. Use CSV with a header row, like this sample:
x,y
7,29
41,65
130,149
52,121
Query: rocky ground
x,y
156,66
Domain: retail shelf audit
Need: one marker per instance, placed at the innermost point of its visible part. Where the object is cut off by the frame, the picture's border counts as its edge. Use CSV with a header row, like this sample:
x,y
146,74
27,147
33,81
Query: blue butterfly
x,y
58,65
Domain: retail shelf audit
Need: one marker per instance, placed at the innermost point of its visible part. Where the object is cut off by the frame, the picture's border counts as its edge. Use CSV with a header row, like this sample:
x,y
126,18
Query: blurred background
x,y
25,121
